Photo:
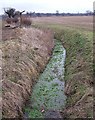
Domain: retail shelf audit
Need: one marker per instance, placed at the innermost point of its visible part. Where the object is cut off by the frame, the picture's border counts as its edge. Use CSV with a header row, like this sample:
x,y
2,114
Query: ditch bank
x,y
78,69
25,53
48,98
78,72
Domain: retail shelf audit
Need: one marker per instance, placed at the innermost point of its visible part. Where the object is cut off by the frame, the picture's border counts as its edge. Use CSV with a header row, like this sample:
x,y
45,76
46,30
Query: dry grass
x,y
25,53
83,22
26,21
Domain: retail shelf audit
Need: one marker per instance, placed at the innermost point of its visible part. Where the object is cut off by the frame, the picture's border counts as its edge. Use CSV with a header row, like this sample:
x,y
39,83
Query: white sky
x,y
48,5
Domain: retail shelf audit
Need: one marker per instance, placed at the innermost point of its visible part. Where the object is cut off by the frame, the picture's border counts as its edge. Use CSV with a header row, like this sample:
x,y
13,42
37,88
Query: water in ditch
x,y
48,93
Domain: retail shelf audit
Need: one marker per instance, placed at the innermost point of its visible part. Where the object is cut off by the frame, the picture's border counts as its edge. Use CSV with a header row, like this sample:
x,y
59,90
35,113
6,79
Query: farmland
x,y
26,52
78,22
77,37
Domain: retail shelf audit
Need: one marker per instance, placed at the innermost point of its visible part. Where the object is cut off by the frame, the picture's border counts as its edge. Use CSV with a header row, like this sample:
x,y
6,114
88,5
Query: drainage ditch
x,y
47,97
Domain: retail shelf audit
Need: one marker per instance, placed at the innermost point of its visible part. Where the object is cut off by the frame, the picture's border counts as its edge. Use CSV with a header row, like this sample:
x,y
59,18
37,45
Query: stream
x,y
48,93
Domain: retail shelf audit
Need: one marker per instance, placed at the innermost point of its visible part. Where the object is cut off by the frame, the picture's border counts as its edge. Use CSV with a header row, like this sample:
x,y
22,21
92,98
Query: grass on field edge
x,y
78,68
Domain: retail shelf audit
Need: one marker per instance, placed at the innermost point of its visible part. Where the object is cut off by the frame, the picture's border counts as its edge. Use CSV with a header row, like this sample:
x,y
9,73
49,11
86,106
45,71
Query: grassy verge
x,y
78,69
78,72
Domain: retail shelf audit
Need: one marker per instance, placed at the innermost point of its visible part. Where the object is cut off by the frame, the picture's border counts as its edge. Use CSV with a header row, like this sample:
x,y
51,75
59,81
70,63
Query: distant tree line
x,y
33,14
11,13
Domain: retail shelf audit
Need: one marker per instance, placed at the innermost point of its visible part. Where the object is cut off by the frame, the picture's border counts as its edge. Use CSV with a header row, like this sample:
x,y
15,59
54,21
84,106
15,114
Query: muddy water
x,y
48,93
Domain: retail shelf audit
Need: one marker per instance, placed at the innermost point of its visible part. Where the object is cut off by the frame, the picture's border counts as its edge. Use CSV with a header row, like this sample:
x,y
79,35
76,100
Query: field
x,y
77,37
85,22
26,52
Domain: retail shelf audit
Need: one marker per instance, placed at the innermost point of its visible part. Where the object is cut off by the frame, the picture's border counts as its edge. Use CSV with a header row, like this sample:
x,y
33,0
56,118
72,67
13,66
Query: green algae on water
x,y
48,93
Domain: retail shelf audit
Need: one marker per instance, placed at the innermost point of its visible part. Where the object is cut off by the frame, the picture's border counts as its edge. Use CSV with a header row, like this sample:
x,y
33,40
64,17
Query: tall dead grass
x,y
22,61
26,21
12,20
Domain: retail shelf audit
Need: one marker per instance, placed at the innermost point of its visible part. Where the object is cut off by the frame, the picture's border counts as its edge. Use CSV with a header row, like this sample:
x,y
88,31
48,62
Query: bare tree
x,y
57,12
10,12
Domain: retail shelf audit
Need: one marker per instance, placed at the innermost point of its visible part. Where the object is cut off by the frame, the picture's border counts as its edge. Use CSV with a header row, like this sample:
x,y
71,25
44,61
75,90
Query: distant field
x,y
80,22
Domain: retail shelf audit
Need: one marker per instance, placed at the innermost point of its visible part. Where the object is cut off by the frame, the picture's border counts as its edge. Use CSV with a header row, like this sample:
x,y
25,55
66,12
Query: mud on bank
x,y
25,52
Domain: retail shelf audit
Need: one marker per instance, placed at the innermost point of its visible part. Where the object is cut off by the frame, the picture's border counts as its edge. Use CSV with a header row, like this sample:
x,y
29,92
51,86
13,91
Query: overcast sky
x,y
48,5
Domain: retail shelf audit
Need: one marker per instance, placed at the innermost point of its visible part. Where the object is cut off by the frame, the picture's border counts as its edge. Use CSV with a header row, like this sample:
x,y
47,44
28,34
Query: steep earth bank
x,y
78,72
78,69
25,52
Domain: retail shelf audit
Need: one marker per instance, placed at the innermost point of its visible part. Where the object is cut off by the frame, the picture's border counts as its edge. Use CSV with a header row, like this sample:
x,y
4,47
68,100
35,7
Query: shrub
x,y
26,21
15,20
9,20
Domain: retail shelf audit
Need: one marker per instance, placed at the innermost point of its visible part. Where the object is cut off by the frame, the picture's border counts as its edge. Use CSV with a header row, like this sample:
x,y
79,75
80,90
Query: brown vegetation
x,y
25,53
15,20
8,20
12,20
26,21
82,22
